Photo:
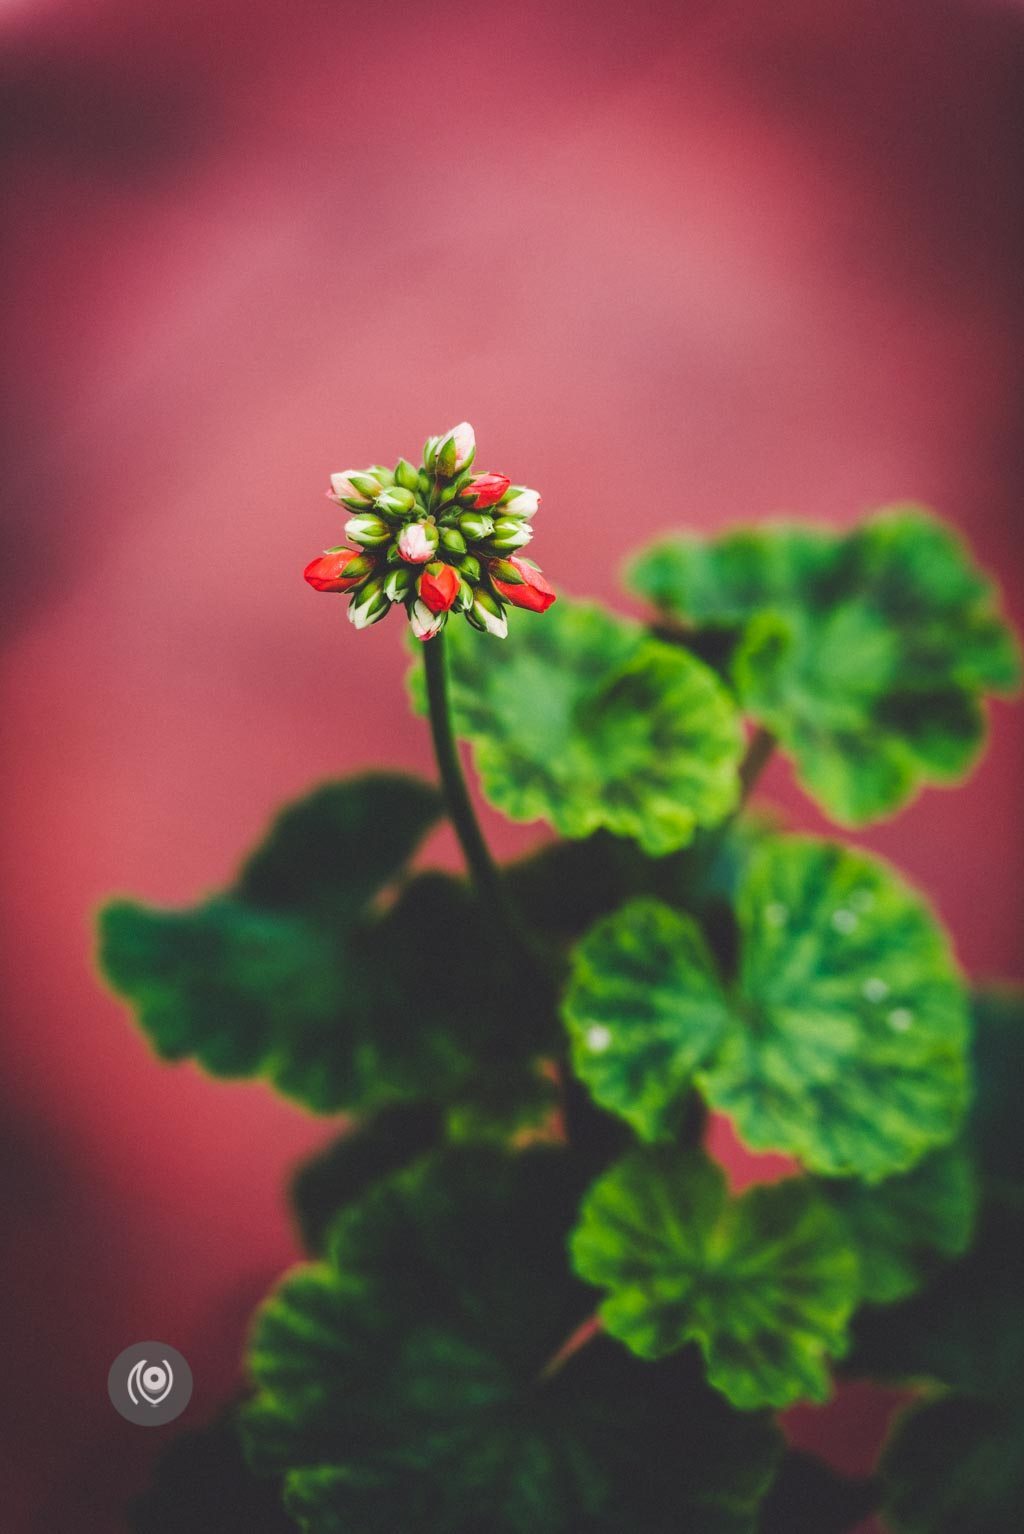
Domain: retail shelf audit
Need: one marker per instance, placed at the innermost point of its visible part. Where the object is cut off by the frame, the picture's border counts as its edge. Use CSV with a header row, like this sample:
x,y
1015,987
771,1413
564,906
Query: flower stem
x,y
479,862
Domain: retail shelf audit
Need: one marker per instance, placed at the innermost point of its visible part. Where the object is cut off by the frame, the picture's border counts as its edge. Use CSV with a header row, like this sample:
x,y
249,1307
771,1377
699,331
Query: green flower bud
x,y
430,454
474,525
366,484
396,502
505,570
407,476
469,567
452,540
455,451
464,601
369,531
384,474
398,583
509,534
369,604
488,615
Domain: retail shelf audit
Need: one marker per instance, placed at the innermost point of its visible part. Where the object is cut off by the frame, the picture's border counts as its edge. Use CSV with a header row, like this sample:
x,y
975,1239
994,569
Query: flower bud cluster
x,y
435,540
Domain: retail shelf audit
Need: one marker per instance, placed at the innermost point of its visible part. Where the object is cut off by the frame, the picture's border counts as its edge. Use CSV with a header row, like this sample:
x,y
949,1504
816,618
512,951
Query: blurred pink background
x,y
677,263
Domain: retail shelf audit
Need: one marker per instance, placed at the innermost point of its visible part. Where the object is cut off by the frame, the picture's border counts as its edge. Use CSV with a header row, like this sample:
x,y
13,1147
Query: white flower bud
x,y
424,623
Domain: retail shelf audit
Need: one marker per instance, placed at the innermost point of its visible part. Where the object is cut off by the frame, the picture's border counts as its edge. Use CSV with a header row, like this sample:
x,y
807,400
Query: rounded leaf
x,y
764,1283
585,722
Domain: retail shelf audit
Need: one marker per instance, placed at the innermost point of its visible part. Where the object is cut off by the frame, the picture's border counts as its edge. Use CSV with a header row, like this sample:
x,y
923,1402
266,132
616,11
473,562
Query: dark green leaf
x,y
402,1384
764,1283
583,721
808,1497
965,1329
955,1467
842,1041
900,1226
345,1169
294,973
996,1123
866,654
202,1485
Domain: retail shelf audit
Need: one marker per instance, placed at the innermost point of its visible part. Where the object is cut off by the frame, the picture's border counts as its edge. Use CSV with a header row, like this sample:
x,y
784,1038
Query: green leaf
x,y
995,1127
583,721
955,1467
300,973
807,1497
344,1170
900,1226
645,1007
965,1329
852,1054
202,1485
402,1383
764,1283
842,1040
866,654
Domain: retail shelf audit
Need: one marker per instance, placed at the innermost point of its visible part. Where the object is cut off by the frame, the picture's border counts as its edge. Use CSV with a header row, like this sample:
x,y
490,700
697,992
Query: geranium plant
x,y
533,1304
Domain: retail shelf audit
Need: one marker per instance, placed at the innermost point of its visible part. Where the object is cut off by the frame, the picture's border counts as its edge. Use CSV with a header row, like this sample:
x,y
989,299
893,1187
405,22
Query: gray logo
x,y
150,1383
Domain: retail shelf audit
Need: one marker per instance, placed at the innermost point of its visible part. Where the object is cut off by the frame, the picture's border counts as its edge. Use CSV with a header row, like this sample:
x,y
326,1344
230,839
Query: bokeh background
x,y
678,262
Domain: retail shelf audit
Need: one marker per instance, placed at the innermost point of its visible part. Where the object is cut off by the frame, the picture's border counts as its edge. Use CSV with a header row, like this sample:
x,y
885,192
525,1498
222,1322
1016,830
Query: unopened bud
x,y
424,623
464,600
529,590
469,567
338,570
488,615
438,586
474,525
417,542
455,451
518,501
398,583
368,530
509,534
505,570
369,605
430,454
484,490
346,492
365,483
406,475
452,540
395,502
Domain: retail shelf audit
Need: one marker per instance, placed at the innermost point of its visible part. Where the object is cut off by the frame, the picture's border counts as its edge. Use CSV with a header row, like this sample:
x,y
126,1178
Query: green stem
x,y
479,862
762,744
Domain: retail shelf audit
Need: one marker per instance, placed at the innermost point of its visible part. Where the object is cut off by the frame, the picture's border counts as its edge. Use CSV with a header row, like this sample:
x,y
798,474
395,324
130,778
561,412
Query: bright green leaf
x,y
764,1283
294,973
583,721
867,654
851,1052
644,1008
842,1040
401,1384
900,1226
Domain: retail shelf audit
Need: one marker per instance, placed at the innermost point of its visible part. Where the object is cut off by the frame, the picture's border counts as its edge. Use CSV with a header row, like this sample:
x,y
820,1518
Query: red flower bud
x,y
484,490
439,586
534,594
328,572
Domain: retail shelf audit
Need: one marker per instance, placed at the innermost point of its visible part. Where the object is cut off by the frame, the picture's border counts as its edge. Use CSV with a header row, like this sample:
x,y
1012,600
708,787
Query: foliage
x,y
533,1303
